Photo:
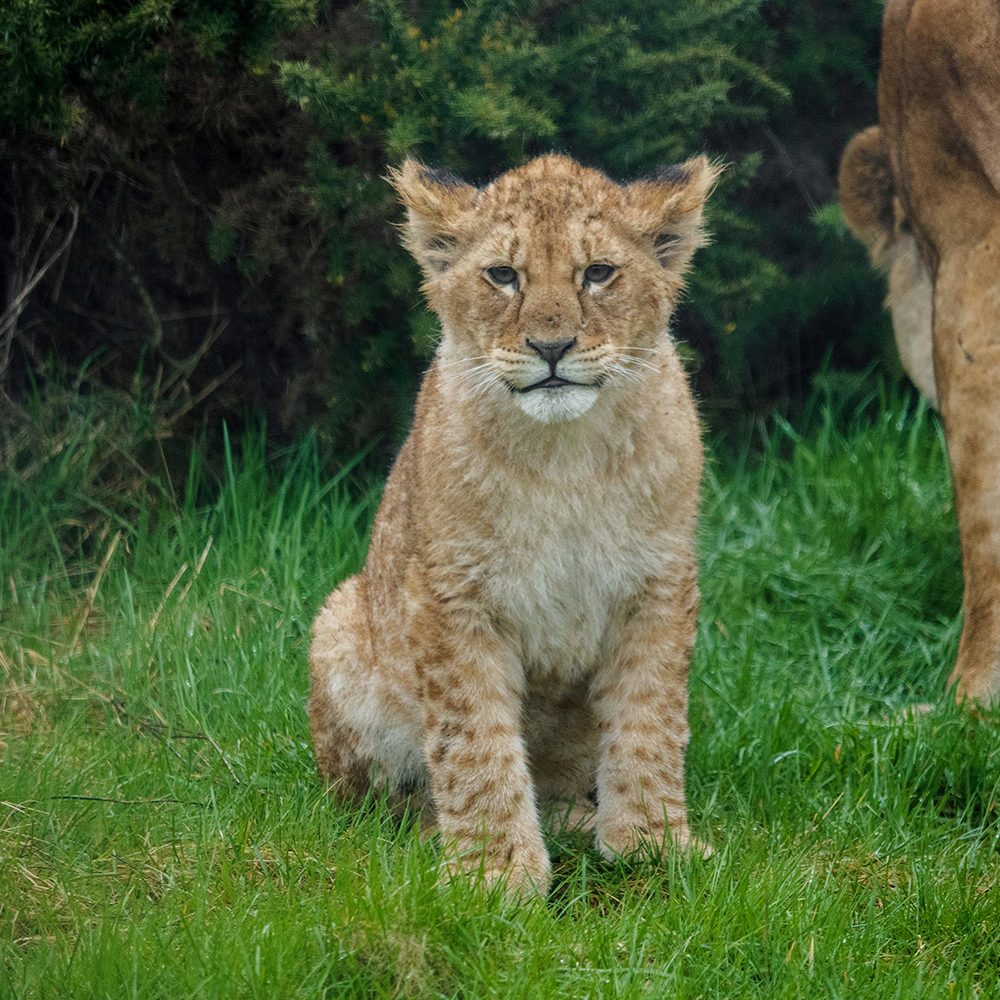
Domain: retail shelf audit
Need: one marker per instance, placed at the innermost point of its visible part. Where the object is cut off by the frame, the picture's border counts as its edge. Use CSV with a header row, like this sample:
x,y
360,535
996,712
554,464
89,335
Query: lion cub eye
x,y
502,275
597,274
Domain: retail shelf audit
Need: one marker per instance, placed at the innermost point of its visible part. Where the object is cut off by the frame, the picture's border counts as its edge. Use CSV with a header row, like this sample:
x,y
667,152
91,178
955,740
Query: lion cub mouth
x,y
550,382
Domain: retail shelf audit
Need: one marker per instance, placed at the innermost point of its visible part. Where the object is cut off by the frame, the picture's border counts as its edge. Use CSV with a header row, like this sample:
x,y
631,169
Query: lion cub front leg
x,y
471,689
640,701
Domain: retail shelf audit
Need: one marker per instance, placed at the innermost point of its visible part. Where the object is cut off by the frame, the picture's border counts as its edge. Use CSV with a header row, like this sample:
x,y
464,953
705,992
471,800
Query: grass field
x,y
163,834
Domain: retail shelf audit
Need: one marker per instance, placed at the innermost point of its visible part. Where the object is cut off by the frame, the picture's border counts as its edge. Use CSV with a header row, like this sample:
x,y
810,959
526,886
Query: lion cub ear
x,y
667,208
437,209
865,187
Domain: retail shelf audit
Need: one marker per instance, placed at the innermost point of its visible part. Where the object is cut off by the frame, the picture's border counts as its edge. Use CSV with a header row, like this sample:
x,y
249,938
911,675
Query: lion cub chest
x,y
560,561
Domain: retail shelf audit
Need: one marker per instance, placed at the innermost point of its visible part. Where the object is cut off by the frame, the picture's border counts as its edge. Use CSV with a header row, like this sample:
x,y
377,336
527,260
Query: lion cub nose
x,y
551,350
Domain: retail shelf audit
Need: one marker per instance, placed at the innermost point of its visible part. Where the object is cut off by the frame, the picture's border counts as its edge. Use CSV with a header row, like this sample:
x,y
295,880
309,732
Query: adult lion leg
x,y
967,363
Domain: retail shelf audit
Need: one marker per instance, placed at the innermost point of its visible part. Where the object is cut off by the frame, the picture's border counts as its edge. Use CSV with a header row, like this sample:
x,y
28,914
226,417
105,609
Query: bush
x,y
827,301
195,191
484,87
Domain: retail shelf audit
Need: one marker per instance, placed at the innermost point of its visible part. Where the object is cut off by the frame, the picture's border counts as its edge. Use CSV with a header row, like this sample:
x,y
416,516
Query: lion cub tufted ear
x,y
437,206
667,208
867,197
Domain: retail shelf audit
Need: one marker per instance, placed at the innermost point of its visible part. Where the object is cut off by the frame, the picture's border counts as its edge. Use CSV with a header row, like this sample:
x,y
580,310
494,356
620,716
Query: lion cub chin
x,y
519,639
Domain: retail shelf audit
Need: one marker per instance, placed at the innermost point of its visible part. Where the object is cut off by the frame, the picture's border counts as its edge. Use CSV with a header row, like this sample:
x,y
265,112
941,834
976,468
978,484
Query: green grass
x,y
163,834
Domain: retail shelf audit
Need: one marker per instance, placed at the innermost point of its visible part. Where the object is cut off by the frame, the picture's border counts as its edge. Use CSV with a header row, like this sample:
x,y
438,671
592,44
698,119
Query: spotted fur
x,y
519,638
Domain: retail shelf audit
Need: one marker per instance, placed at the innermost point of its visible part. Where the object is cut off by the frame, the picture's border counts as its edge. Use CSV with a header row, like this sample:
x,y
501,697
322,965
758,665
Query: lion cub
x,y
521,633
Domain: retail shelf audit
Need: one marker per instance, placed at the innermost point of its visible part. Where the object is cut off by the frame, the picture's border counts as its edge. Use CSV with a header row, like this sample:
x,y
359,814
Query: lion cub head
x,y
553,283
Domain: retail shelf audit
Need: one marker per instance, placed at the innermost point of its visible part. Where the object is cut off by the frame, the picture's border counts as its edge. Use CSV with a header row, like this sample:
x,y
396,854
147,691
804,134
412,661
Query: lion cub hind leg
x,y
365,736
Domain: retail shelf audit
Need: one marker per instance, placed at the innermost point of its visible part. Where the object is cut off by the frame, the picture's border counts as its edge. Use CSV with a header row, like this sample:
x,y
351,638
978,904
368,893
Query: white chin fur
x,y
548,406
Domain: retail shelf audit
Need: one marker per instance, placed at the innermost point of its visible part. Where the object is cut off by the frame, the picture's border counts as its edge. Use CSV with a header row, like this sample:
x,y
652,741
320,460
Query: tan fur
x,y
922,191
520,636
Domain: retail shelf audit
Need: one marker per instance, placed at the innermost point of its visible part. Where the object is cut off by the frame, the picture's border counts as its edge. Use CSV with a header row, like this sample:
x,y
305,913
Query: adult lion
x,y
922,191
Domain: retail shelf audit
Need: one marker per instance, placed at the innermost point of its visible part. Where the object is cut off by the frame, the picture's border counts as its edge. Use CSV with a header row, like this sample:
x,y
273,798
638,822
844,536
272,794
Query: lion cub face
x,y
553,282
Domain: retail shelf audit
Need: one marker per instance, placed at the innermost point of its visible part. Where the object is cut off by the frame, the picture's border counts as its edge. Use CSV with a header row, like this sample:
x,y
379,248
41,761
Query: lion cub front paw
x,y
521,881
624,841
527,873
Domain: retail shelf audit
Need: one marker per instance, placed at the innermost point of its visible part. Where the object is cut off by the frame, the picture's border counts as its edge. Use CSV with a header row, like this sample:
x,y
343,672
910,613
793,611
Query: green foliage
x,y
486,85
828,301
226,159
483,87
51,54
